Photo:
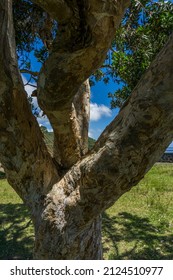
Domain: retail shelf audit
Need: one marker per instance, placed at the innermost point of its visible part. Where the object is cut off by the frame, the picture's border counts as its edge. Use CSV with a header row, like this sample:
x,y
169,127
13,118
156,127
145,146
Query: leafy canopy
x,y
143,32
34,30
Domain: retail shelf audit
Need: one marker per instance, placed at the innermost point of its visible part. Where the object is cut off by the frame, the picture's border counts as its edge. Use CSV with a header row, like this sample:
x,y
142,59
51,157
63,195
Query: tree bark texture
x,y
67,193
54,242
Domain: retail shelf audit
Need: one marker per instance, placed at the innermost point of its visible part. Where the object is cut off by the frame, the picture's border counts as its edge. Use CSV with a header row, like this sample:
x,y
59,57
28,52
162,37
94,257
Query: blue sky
x,y
101,114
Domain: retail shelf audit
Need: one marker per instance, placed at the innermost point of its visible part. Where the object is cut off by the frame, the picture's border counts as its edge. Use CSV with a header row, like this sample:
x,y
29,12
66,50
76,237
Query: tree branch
x,y
27,71
58,9
28,84
107,66
79,49
71,130
81,113
23,153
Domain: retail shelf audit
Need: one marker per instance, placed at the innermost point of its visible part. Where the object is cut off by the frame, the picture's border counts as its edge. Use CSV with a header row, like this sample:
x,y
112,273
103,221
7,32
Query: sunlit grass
x,y
140,223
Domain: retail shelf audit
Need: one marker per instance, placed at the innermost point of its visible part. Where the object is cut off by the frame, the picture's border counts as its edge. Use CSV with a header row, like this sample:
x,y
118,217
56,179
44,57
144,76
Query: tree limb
x,y
58,9
27,71
23,153
71,130
107,66
79,49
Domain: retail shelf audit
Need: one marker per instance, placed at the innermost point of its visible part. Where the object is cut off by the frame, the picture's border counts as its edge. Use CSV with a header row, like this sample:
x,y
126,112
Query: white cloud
x,y
43,121
29,89
91,133
99,111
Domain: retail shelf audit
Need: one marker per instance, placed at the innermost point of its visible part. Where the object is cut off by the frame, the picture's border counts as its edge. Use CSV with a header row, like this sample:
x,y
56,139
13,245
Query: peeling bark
x,y
81,113
71,129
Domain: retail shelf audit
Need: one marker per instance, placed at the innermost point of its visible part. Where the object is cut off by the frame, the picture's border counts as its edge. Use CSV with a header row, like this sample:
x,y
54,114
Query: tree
x,y
67,193
143,32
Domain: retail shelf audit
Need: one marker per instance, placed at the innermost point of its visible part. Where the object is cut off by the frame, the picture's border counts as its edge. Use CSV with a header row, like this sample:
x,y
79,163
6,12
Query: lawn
x,y
138,226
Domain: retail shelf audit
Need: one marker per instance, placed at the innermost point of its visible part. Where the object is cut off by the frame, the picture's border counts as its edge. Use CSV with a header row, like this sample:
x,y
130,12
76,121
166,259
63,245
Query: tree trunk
x,y
58,242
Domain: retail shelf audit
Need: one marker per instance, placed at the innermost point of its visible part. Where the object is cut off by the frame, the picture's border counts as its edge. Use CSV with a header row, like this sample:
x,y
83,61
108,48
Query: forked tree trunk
x,y
67,193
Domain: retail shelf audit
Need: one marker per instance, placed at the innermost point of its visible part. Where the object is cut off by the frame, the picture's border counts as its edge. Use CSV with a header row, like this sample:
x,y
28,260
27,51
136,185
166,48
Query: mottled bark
x,y
81,113
23,153
66,199
71,128
55,242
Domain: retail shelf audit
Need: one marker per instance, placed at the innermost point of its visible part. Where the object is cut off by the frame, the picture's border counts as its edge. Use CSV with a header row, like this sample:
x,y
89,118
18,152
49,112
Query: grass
x,y
16,231
138,226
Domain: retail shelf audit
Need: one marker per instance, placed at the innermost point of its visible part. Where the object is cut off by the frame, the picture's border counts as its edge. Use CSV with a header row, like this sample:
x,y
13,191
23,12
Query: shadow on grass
x,y
131,236
135,238
16,232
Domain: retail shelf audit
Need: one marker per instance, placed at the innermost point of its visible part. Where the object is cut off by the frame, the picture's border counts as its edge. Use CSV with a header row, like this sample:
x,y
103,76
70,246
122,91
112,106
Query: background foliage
x,y
144,30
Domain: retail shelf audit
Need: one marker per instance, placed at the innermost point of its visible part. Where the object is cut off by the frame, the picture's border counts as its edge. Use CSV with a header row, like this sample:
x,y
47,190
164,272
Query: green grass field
x,y
138,226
